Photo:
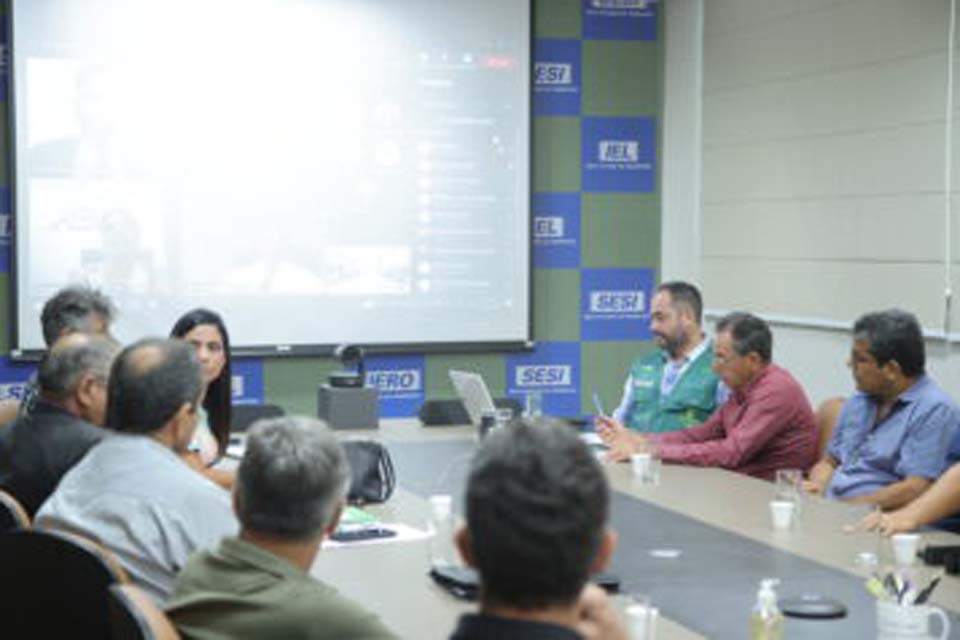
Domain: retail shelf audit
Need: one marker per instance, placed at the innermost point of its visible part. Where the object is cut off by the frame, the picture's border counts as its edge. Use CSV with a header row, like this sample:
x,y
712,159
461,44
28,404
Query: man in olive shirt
x,y
288,496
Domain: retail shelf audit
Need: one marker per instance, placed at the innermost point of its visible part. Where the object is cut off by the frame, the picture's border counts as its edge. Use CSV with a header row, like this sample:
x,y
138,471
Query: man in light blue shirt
x,y
133,493
892,437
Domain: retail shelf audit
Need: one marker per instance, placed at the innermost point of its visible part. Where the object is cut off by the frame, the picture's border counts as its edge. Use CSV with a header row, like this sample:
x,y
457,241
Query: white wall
x,y
813,74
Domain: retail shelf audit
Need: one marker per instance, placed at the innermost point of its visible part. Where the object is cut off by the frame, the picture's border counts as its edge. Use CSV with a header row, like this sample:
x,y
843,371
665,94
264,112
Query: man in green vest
x,y
673,387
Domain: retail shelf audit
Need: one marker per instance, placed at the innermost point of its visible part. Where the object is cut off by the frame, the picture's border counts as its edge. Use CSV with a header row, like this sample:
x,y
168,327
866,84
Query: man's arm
x,y
764,417
896,495
941,501
820,475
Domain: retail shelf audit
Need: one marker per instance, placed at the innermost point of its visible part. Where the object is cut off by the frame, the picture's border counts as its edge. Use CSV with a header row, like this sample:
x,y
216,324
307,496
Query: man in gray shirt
x,y
133,493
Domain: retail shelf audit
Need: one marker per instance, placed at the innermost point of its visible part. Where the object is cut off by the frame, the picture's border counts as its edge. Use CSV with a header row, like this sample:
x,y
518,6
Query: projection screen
x,y
318,171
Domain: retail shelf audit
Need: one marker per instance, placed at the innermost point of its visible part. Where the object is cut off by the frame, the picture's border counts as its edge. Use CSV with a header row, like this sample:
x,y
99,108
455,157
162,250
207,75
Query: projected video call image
x,y
288,159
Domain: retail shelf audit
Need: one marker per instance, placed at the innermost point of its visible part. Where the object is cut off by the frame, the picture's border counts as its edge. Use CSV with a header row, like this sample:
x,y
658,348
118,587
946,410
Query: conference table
x,y
697,544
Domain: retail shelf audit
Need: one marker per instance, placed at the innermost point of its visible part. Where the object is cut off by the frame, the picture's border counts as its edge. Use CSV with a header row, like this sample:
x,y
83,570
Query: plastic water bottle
x,y
766,621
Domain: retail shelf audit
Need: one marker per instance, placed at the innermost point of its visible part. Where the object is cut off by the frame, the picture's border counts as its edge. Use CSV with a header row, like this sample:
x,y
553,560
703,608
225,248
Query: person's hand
x,y
599,619
609,429
812,487
625,444
888,524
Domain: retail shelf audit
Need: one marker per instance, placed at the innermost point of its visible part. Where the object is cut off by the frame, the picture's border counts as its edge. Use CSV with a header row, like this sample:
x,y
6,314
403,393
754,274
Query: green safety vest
x,y
690,402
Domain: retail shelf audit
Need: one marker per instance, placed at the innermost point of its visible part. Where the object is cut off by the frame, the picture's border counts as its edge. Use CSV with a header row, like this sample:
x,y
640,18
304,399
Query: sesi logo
x,y
544,375
551,73
616,301
13,390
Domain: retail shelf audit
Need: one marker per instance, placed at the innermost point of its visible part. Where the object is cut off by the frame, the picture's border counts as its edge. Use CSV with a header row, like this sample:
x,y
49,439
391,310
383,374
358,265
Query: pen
x,y
924,595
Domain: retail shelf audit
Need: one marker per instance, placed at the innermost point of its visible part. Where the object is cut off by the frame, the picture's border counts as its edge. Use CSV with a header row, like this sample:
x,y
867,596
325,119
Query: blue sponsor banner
x,y
400,382
246,386
14,377
556,77
615,304
552,369
6,230
556,230
618,154
619,20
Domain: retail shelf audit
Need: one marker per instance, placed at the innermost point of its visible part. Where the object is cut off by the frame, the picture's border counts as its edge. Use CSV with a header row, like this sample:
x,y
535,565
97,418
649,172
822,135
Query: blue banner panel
x,y
552,369
556,78
619,154
6,230
246,385
615,304
14,377
400,381
619,20
556,230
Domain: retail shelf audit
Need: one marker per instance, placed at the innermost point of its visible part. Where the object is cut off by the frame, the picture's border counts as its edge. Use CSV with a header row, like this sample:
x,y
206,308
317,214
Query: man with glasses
x,y
765,425
893,436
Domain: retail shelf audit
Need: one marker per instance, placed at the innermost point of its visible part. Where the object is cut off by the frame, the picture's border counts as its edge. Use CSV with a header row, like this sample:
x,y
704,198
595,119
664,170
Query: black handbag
x,y
371,472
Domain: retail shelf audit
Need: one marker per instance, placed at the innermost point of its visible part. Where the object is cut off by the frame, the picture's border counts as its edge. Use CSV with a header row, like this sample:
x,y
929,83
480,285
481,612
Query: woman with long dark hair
x,y
205,330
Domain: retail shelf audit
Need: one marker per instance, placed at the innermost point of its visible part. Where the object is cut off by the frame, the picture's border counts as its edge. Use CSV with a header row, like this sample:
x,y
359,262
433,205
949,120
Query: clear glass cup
x,y
788,488
533,404
440,526
639,615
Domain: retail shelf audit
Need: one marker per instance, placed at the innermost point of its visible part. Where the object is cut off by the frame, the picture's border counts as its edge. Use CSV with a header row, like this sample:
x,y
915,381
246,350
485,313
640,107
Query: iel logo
x,y
547,227
619,151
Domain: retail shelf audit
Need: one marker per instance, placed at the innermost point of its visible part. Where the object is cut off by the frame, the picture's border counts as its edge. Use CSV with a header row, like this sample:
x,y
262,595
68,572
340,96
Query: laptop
x,y
473,393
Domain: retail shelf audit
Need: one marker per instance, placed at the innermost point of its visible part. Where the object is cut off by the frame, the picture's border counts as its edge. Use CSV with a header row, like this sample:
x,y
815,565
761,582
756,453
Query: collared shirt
x,y
483,627
673,370
142,502
239,590
913,440
766,426
38,448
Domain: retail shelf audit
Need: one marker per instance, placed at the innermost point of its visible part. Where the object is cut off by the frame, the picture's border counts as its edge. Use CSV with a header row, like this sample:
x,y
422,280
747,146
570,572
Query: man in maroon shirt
x,y
765,425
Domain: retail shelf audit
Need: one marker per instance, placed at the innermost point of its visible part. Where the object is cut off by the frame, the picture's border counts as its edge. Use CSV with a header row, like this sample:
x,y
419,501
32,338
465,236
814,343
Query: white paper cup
x,y
782,513
905,548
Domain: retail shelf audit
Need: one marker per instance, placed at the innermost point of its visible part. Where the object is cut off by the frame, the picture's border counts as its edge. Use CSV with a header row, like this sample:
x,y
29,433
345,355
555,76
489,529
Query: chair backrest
x,y
244,415
134,616
827,414
12,513
55,585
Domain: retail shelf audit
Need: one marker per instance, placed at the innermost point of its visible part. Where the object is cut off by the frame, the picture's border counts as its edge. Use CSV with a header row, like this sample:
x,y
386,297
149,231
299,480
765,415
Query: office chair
x,y
134,616
12,514
54,585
